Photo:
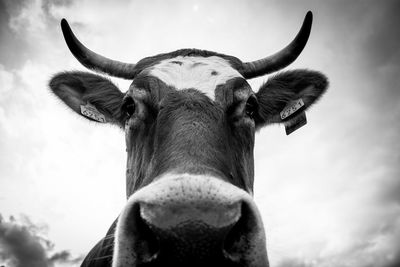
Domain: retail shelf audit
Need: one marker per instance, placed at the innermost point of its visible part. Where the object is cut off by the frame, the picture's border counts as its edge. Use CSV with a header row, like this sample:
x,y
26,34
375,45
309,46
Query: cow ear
x,y
91,96
291,92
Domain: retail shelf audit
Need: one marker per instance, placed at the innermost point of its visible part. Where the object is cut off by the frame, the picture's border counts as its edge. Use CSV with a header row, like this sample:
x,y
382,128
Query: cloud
x,y
382,38
64,257
27,26
22,244
371,239
381,53
21,247
32,15
10,41
6,80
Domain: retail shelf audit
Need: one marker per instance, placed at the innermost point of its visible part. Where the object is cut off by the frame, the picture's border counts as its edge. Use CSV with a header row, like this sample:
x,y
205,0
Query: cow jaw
x,y
187,219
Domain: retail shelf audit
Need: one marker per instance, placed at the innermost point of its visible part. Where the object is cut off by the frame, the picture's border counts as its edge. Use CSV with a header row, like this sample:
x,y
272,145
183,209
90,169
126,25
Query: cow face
x,y
189,115
189,119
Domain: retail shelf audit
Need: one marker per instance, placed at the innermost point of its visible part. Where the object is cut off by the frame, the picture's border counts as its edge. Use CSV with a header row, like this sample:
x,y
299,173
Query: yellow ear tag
x,y
91,112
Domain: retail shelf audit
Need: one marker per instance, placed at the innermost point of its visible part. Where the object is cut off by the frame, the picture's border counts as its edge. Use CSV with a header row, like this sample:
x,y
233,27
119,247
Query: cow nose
x,y
199,232
190,221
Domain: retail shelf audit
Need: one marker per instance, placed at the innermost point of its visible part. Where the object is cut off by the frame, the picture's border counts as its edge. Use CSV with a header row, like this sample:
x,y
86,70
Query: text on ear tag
x,y
291,108
91,111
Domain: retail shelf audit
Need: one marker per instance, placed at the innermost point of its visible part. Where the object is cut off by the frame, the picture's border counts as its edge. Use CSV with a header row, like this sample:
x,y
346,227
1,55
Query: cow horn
x,y
93,60
282,58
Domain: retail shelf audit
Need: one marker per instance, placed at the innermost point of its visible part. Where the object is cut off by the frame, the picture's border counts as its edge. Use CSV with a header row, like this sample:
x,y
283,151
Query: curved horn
x,y
94,61
282,58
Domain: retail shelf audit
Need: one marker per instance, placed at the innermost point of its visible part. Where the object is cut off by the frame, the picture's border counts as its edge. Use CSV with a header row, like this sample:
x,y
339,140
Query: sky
x,y
329,193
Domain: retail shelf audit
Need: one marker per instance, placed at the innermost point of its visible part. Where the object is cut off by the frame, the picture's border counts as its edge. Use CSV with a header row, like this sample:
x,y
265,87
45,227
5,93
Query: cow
x,y
189,118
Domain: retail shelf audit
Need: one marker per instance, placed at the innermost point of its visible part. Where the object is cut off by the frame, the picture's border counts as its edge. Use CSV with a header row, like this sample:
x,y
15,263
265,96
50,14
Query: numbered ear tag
x,y
298,121
292,108
91,112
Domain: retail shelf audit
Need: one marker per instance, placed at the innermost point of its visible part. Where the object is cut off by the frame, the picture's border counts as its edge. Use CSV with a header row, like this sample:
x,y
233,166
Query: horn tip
x,y
64,24
309,16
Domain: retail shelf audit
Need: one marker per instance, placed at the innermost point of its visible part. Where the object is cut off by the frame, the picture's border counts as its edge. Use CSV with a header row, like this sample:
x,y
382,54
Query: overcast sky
x,y
329,193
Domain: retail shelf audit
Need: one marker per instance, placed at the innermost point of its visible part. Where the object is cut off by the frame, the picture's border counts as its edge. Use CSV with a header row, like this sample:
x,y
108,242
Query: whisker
x,y
107,246
108,237
102,257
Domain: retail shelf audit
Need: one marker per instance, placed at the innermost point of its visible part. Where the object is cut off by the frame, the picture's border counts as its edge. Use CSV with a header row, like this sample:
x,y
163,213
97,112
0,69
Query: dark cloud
x,y
383,36
381,53
391,182
22,244
395,262
64,256
14,6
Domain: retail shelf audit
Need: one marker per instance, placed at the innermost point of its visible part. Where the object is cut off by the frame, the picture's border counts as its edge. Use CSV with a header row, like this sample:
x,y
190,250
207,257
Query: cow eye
x,y
251,106
128,106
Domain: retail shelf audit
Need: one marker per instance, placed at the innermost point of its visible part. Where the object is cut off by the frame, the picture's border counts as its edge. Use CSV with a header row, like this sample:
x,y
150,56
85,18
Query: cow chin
x,y
190,220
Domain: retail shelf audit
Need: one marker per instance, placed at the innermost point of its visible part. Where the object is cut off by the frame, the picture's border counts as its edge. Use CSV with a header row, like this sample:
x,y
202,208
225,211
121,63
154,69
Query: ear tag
x,y
291,108
298,121
294,124
91,112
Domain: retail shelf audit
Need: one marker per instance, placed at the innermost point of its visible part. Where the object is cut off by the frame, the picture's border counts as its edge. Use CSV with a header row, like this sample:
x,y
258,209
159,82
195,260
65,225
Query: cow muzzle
x,y
190,220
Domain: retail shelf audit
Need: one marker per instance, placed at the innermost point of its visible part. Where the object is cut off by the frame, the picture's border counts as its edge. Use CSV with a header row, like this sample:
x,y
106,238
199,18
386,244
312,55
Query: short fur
x,y
187,52
195,72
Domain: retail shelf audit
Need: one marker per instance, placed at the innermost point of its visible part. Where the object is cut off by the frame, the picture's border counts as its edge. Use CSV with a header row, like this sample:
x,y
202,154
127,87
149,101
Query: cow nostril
x,y
146,245
237,240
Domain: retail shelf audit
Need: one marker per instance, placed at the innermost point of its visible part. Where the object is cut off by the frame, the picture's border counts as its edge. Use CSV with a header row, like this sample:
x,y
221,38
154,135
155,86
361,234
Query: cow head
x,y
189,119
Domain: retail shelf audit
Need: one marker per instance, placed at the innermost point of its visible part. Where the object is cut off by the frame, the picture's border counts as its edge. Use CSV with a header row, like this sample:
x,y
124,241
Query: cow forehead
x,y
201,73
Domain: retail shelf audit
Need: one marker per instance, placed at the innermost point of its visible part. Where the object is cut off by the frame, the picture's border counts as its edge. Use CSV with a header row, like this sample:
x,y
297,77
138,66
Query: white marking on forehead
x,y
201,73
